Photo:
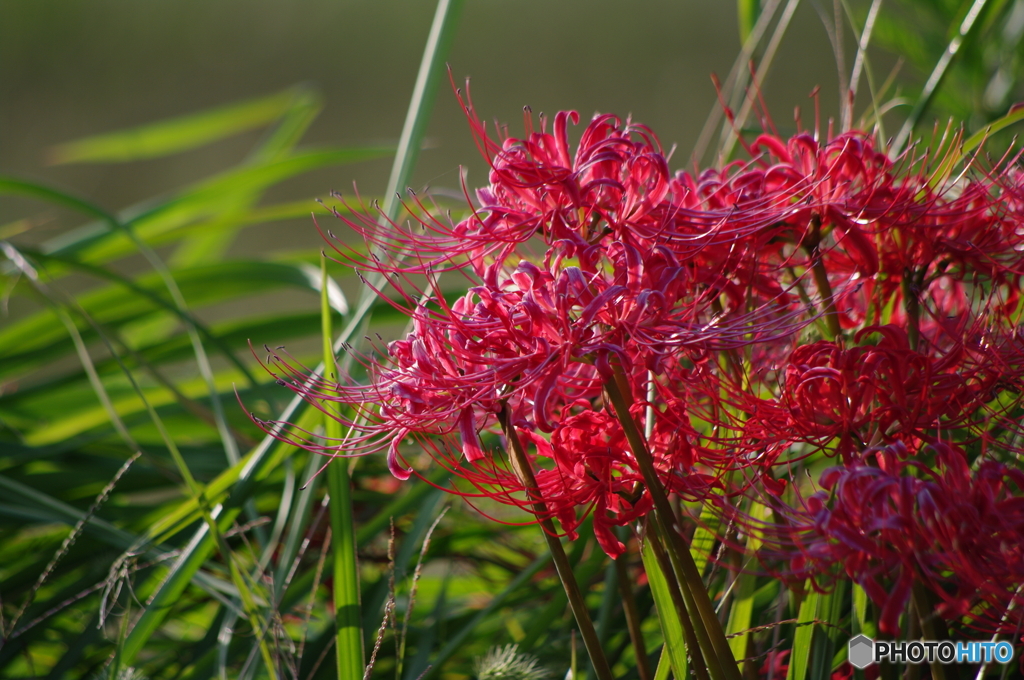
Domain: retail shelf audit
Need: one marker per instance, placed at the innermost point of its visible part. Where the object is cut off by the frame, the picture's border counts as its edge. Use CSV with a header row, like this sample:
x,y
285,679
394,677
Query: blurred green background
x,y
76,69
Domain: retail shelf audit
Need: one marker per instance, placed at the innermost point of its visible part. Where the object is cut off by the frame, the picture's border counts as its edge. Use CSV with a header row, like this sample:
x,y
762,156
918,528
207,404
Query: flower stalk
x,y
812,245
709,633
521,465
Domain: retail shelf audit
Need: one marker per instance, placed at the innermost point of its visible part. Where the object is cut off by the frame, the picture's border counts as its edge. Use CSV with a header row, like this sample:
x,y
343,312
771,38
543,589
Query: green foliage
x,y
983,79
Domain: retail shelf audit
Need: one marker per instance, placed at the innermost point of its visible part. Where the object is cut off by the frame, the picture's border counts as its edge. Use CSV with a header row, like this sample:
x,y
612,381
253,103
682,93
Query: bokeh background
x,y
72,70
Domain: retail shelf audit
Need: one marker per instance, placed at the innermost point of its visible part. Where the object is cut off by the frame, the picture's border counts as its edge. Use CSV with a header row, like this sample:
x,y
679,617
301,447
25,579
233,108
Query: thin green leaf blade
x,y
800,656
175,135
347,615
671,626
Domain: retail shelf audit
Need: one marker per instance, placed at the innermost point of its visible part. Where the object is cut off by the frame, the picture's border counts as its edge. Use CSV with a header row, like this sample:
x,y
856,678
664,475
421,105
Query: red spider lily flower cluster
x,y
888,520
817,299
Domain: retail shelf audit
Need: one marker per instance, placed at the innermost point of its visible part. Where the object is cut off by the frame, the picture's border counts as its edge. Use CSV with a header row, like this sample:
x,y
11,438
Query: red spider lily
x,y
839,399
706,290
887,521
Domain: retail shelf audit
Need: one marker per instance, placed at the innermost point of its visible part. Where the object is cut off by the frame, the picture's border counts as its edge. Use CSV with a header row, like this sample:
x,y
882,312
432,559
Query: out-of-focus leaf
x,y
180,134
800,656
741,613
747,12
39,337
203,201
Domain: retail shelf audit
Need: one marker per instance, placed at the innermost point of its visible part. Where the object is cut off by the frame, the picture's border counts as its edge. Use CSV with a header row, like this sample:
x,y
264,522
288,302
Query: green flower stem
x,y
347,615
521,466
933,628
910,284
811,245
717,653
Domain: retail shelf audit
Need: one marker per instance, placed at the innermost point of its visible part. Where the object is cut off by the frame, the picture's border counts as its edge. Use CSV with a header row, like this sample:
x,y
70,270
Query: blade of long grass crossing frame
x,y
202,361
201,545
140,291
439,41
938,74
860,60
299,518
736,80
420,494
800,657
664,665
302,111
175,135
209,245
825,639
704,537
634,620
747,12
348,634
742,610
671,627
729,134
238,578
171,584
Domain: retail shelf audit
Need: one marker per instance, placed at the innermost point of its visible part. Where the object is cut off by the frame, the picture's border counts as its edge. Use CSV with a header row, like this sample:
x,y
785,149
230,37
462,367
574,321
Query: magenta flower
x,y
816,299
887,521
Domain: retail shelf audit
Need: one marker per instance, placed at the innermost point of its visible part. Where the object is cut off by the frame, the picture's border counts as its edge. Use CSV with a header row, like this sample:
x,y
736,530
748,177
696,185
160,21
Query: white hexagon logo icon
x,y
861,651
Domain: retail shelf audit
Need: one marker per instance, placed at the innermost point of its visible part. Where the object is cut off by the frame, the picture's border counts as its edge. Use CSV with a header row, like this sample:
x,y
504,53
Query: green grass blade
x,y
664,665
209,198
800,656
172,584
248,598
13,185
168,588
938,74
347,618
827,635
741,614
442,32
671,627
39,337
861,624
201,545
304,108
175,135
60,511
704,537
202,361
209,245
747,11
742,610
729,133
